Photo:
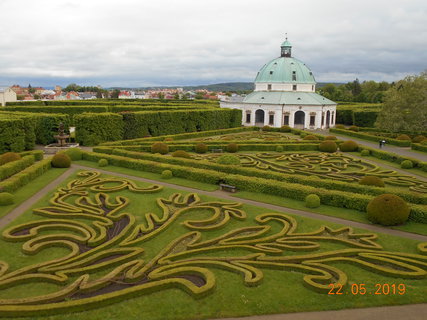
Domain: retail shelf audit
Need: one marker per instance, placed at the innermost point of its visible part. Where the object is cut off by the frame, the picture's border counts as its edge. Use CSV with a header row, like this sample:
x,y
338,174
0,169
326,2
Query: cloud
x,y
138,43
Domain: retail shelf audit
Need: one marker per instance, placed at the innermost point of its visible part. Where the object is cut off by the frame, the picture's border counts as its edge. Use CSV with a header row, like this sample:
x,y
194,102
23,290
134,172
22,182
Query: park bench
x,y
217,151
227,187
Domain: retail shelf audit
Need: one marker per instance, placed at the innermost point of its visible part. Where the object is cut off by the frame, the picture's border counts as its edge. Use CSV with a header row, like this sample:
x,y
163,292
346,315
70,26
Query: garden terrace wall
x,y
367,136
260,185
254,172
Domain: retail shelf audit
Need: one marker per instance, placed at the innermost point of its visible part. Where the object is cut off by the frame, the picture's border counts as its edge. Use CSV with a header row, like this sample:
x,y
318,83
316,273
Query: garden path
x,y
398,150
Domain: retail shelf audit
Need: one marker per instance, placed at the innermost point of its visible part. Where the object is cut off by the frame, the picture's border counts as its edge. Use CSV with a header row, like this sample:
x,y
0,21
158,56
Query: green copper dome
x,y
285,69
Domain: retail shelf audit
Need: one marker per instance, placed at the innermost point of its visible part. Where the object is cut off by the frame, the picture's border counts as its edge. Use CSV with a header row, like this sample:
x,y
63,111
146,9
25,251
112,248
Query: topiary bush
x,y
365,153
266,128
61,160
279,149
328,146
9,157
312,201
310,137
201,148
406,164
6,199
419,139
160,147
388,210
349,146
285,129
372,181
228,159
354,128
403,137
181,154
232,147
330,138
167,174
340,126
103,162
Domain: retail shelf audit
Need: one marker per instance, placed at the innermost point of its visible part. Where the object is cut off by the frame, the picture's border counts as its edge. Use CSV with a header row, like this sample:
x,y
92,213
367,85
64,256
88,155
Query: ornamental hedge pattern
x,y
109,260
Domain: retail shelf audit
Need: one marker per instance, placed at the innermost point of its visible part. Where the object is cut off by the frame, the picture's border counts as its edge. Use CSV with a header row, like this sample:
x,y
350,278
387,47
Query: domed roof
x,y
282,70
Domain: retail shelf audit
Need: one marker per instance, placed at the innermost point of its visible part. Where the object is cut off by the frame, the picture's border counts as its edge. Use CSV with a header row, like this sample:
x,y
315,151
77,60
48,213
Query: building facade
x,y
7,95
285,94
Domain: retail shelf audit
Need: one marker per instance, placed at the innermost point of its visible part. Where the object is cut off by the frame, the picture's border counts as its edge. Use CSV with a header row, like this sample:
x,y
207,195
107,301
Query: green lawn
x,y
281,289
31,188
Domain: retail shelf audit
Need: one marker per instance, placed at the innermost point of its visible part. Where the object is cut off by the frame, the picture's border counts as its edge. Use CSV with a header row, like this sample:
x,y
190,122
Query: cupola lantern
x,y
286,48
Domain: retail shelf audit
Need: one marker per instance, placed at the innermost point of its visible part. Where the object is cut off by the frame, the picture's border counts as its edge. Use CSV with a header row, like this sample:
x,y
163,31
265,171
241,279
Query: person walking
x,y
381,144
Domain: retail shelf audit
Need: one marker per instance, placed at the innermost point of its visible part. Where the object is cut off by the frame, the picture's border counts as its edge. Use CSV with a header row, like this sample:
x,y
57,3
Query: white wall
x,y
7,96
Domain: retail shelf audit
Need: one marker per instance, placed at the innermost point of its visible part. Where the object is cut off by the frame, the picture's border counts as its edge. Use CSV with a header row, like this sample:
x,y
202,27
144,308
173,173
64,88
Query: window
x,y
271,72
332,118
323,118
312,120
286,120
268,86
271,119
312,87
294,76
248,118
294,87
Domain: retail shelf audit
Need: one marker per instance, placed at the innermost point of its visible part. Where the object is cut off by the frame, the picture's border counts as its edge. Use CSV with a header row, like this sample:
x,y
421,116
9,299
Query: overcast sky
x,y
187,42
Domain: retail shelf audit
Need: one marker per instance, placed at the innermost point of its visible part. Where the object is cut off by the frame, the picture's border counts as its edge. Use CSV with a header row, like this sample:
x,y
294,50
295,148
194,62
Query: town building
x,y
285,94
7,95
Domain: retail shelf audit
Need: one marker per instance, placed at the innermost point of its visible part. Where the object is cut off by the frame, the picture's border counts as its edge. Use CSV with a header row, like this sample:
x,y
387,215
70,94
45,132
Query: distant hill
x,y
224,87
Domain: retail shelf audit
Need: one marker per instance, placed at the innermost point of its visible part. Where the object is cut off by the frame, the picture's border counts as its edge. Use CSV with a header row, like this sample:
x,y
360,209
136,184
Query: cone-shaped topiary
x,y
310,137
103,162
285,129
228,159
181,154
232,147
328,146
372,181
388,210
9,157
403,137
6,199
349,146
330,138
167,174
61,160
312,201
201,148
406,164
159,147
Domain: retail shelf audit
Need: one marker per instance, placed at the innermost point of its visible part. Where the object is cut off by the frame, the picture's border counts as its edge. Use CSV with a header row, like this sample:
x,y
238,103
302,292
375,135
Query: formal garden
x,y
177,204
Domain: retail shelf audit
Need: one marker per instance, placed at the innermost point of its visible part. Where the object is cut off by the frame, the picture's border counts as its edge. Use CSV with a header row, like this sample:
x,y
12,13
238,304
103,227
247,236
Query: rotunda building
x,y
285,94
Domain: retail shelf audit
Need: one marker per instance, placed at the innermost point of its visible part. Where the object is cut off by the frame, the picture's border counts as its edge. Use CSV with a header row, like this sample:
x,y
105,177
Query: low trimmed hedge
x,y
419,147
369,137
9,169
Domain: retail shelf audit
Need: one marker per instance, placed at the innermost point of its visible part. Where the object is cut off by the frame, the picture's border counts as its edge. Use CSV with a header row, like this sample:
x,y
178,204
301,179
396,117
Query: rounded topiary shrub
x,y
266,128
353,128
6,198
279,149
201,148
349,146
285,129
365,153
388,210
232,147
312,201
181,154
330,138
159,147
228,159
310,137
167,174
340,126
403,137
419,139
103,162
61,160
406,164
328,146
372,181
9,157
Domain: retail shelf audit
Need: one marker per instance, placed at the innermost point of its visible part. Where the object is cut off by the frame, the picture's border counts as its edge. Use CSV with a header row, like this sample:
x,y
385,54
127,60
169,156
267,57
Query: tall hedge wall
x,y
12,135
140,124
94,128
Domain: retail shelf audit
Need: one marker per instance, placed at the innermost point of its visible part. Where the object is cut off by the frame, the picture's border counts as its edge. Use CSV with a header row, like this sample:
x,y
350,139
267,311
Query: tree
x,y
405,106
31,89
115,94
